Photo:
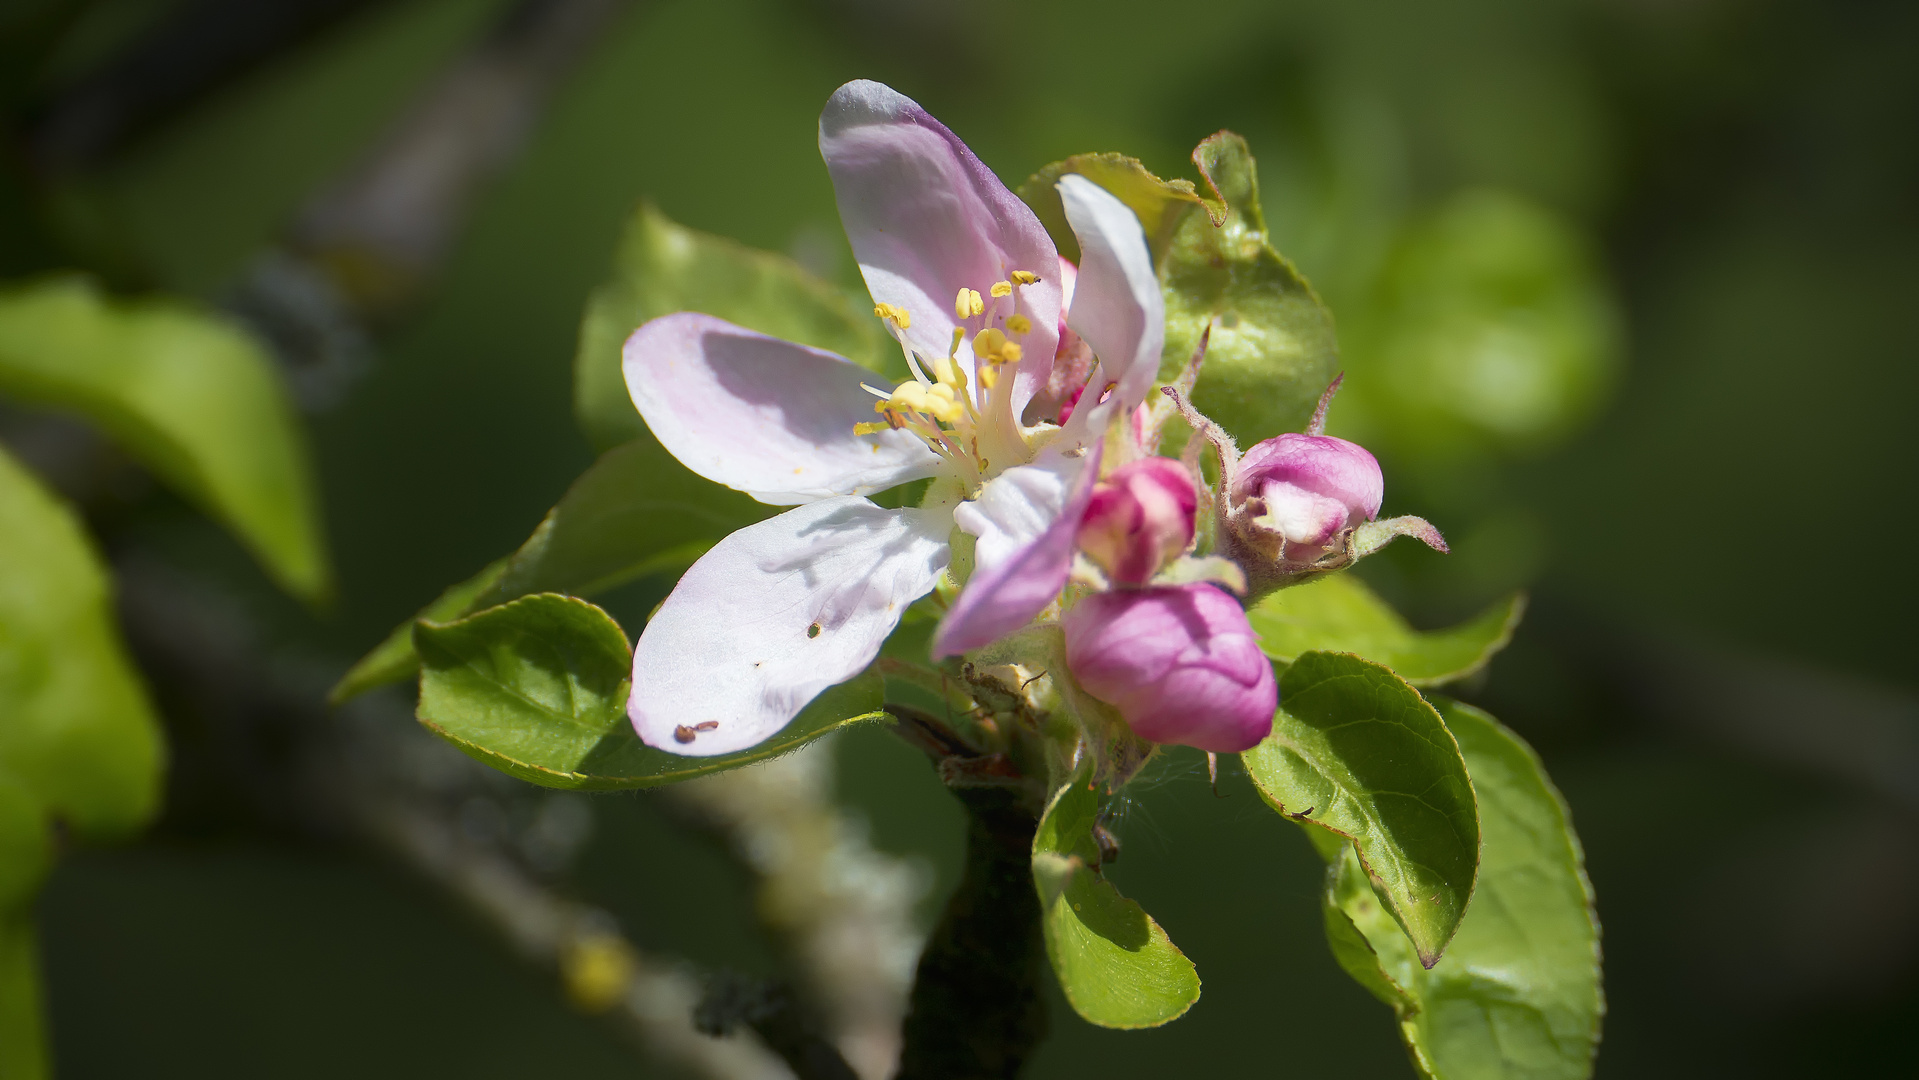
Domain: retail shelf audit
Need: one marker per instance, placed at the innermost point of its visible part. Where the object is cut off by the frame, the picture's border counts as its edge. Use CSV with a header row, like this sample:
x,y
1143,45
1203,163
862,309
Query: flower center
x,y
948,415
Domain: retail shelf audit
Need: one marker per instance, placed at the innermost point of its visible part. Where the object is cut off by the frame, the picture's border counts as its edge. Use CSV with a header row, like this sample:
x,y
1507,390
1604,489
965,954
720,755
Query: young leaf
x,y
537,688
1357,751
195,399
663,267
1517,994
1272,349
1159,204
76,729
1114,963
1338,613
636,511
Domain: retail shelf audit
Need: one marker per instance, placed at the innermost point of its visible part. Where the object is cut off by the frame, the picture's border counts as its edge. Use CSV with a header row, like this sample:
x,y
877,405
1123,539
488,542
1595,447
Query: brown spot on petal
x,y
707,725
683,734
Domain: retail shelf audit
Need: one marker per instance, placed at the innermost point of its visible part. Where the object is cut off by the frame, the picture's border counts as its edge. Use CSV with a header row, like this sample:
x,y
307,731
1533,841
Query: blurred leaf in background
x,y
80,746
191,396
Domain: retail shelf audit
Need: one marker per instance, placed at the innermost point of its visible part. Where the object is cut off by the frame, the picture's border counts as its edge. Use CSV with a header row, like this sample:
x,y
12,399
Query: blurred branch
x,y
845,910
366,246
199,48
260,726
774,1014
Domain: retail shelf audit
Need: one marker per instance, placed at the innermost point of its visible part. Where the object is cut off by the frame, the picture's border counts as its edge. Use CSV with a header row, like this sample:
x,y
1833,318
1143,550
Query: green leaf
x,y
76,729
1114,963
1517,995
636,511
197,400
1356,750
1338,613
1272,351
1159,204
662,268
537,688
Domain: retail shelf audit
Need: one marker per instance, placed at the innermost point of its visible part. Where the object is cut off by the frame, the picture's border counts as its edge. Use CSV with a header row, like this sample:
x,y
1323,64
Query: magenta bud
x,y
1180,663
1313,486
1139,517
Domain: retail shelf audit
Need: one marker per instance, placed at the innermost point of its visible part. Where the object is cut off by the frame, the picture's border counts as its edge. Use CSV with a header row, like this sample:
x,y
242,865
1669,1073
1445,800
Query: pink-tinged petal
x,y
1139,518
774,614
1025,550
1117,307
1320,464
1302,516
927,219
1180,663
764,416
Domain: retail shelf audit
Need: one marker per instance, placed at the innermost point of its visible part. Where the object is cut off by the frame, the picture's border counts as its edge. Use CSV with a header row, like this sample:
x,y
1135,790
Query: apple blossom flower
x,y
1180,663
965,278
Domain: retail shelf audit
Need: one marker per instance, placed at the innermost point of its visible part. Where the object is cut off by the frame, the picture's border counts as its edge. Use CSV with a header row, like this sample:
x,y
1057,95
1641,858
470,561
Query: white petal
x,y
764,416
776,613
1117,307
1017,506
926,218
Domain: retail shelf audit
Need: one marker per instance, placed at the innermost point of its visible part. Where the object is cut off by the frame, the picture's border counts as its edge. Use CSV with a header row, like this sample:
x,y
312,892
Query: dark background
x,y
1717,666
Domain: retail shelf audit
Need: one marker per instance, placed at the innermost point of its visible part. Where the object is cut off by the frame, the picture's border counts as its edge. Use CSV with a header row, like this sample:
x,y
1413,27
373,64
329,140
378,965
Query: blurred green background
x,y
1625,293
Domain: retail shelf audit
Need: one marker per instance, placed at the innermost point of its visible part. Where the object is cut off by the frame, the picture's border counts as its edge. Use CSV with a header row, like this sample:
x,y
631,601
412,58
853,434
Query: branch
x,y
976,1010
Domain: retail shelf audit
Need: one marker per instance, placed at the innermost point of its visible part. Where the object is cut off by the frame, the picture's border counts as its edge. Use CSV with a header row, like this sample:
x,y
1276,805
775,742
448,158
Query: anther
x,y
1019,324
1024,277
894,314
1002,288
969,303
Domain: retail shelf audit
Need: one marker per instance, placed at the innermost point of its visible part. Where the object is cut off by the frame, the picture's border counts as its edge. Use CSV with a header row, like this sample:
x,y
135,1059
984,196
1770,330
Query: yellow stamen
x,y
959,335
872,428
1024,277
1019,324
988,375
991,346
969,303
1002,288
911,395
894,314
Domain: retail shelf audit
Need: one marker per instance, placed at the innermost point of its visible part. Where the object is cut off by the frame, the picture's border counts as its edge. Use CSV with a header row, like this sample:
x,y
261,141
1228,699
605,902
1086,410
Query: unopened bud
x,y
1180,663
1140,517
1313,486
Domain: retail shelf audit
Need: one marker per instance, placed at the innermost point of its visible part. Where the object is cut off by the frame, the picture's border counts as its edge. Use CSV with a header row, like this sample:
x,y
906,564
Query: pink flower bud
x,y
1140,516
1313,486
1180,664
